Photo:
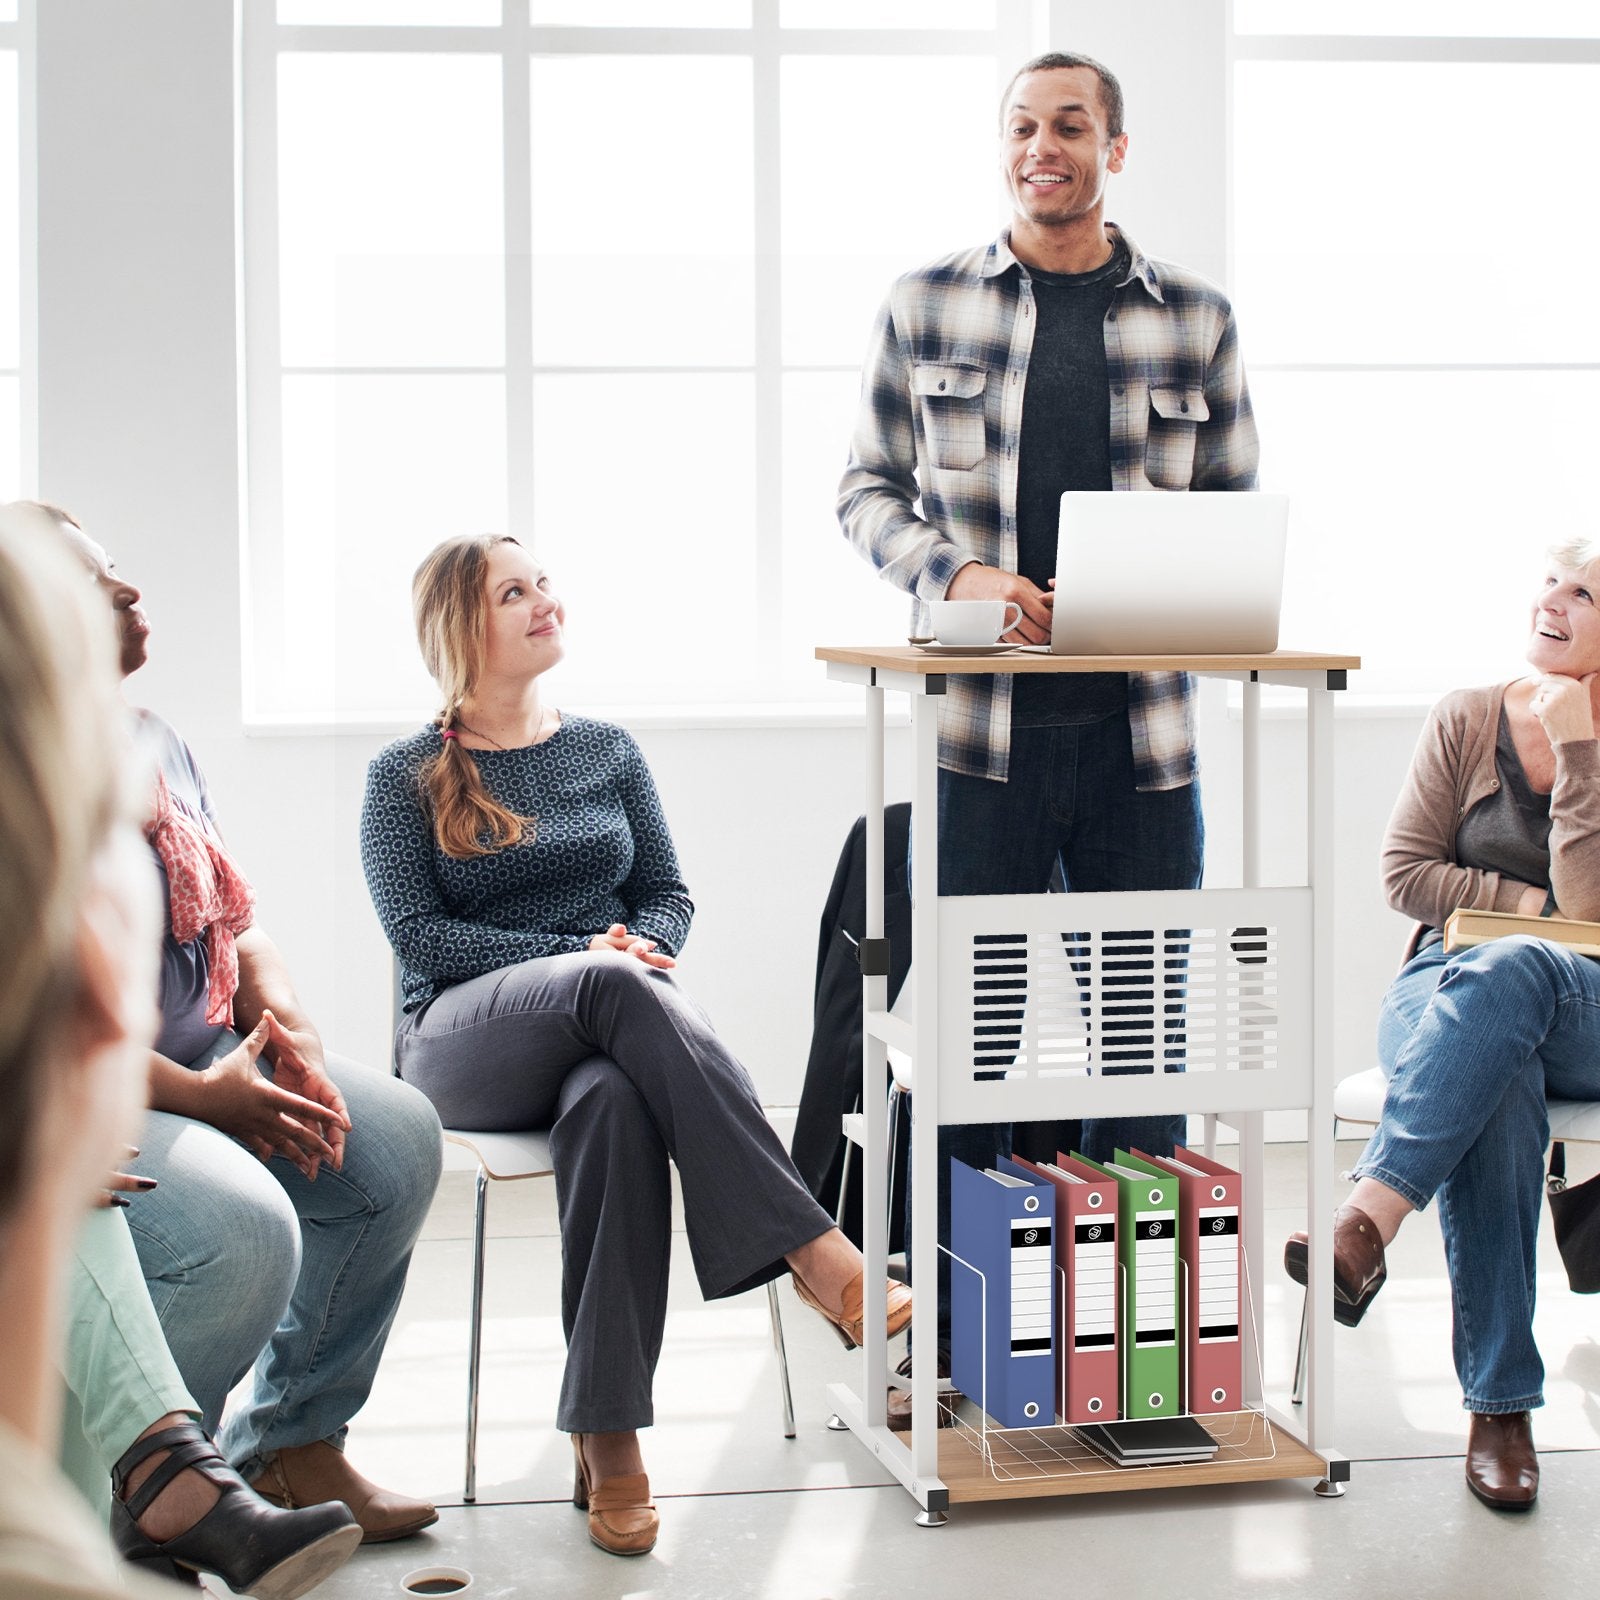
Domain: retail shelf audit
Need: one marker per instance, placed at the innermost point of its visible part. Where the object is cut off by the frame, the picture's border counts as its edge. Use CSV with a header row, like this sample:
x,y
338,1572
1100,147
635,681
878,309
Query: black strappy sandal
x,y
255,1548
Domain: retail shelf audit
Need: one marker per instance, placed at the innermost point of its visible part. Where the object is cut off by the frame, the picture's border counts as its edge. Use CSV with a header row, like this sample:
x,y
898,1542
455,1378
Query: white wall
x,y
1170,58
138,434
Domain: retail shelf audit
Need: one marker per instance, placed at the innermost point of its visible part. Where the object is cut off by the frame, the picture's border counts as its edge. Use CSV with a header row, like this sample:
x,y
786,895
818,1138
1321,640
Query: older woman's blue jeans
x,y
250,1265
1473,1045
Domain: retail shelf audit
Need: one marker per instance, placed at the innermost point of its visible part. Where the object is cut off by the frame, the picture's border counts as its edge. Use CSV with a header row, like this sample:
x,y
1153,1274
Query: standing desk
x,y
1255,988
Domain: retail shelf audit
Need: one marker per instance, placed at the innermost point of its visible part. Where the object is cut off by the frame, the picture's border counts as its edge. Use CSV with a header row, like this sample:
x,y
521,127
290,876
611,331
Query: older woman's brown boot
x,y
1358,1267
1502,1466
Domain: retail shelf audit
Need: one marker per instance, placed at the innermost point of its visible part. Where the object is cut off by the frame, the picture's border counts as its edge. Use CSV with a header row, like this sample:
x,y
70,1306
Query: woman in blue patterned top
x,y
523,871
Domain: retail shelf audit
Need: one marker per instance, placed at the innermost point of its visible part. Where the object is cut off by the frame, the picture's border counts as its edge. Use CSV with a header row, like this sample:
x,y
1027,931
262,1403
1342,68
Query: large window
x,y
601,273
1413,226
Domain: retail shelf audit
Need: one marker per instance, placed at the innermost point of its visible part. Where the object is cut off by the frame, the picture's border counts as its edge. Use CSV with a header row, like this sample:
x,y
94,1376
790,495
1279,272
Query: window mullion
x,y
767,264
22,37
1441,48
261,593
517,144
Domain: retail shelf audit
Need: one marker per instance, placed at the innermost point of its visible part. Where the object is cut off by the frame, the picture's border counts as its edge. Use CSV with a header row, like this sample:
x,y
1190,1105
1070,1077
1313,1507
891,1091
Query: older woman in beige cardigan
x,y
1500,811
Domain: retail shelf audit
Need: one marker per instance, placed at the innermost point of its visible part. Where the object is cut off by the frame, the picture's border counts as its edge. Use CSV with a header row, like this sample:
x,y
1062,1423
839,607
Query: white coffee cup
x,y
973,622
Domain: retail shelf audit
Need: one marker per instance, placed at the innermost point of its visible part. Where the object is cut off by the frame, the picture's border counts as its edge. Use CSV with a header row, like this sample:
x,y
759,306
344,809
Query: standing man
x,y
1058,357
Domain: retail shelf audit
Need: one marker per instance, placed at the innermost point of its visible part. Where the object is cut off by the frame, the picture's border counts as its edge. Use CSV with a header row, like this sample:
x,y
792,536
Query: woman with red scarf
x,y
291,1184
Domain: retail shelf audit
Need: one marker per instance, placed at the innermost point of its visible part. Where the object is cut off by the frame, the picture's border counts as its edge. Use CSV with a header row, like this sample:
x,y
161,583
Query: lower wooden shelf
x,y
1029,1465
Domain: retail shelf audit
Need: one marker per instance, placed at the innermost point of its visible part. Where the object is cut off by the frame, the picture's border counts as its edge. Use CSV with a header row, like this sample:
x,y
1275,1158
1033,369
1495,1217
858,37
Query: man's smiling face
x,y
1055,151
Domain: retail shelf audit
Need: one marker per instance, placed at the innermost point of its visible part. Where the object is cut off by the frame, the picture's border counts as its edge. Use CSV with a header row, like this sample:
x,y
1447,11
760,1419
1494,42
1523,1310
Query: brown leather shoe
x,y
944,1411
309,1474
622,1517
1502,1468
1358,1268
849,1319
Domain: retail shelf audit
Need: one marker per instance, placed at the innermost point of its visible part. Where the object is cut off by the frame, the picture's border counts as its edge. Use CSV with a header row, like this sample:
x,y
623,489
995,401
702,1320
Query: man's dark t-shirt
x,y
1065,445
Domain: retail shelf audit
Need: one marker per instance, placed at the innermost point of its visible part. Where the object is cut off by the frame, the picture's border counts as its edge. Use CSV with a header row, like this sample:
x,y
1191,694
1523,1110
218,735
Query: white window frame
x,y
1429,49
20,37
516,40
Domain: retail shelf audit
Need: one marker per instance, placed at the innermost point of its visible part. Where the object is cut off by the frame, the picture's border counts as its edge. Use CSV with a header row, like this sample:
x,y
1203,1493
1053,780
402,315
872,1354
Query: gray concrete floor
x,y
747,1512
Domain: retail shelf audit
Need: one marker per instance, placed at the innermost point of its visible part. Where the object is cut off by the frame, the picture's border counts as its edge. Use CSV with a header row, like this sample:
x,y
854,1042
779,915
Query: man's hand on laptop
x,y
978,582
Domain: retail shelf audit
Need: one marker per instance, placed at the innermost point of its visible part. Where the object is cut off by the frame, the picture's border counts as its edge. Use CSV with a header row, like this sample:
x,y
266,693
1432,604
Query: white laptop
x,y
1169,574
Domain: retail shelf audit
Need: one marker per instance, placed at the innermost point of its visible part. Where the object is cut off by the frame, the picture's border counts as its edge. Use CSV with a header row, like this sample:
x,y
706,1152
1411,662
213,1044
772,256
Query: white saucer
x,y
965,649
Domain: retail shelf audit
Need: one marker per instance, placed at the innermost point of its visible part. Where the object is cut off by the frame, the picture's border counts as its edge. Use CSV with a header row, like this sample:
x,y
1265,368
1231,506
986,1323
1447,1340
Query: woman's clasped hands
x,y
617,937
297,1114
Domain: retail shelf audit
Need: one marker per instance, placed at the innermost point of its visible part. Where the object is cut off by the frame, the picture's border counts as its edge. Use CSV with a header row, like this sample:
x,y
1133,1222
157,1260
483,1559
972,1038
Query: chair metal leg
x,y
896,1105
897,1110
475,1353
1298,1393
844,1176
785,1395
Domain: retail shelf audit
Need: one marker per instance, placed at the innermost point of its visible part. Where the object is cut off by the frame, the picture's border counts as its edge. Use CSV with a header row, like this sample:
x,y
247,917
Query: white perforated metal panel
x,y
1043,988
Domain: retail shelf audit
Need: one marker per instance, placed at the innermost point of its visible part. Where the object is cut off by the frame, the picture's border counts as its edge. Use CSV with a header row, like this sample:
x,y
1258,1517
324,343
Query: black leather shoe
x,y
944,1411
1502,1466
255,1549
1358,1267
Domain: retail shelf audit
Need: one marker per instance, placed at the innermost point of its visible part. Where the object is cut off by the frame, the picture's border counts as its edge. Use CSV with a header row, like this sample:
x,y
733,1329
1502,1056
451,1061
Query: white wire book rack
x,y
1036,1454
1213,1001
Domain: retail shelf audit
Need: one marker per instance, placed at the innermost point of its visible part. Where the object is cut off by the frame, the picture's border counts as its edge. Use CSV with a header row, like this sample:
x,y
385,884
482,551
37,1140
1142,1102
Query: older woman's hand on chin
x,y
1564,707
617,937
267,1117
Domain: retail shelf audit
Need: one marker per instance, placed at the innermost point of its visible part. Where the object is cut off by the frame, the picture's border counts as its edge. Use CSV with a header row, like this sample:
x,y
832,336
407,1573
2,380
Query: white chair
x,y
1358,1100
505,1158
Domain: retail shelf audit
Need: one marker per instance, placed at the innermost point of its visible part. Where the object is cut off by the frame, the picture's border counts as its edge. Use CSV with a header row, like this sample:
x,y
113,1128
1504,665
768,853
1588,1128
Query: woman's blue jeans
x,y
1473,1044
250,1265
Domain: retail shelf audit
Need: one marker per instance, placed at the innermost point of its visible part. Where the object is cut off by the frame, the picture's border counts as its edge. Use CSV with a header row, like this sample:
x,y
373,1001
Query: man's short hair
x,y
1059,60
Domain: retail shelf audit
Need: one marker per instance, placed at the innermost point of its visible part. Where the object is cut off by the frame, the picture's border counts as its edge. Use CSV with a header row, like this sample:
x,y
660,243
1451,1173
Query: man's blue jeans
x,y
1070,801
1472,1045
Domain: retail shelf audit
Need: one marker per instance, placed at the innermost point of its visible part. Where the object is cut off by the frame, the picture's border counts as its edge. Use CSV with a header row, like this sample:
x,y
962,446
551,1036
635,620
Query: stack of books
x,y
1157,1441
1464,928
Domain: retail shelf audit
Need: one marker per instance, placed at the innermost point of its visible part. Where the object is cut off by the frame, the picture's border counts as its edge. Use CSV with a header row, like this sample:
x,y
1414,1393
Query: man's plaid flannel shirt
x,y
940,421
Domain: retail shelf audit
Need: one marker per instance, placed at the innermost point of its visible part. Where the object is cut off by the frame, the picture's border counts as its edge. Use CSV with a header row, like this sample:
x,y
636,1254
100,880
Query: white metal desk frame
x,y
1239,1098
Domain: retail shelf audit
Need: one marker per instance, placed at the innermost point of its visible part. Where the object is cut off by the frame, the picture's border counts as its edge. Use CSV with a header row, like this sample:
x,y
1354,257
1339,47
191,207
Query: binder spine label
x,y
1032,1256
1094,1284
1217,1305
1155,1279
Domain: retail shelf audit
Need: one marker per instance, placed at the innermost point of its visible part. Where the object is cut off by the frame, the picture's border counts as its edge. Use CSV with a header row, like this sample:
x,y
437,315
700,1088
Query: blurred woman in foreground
x,y
78,941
